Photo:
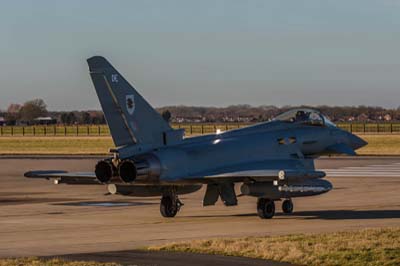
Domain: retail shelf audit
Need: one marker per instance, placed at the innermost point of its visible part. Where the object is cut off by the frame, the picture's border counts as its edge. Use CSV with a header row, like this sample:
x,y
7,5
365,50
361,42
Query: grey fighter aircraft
x,y
272,161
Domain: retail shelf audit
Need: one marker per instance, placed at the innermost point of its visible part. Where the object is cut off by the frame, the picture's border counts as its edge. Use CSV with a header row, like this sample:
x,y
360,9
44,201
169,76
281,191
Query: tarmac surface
x,y
38,218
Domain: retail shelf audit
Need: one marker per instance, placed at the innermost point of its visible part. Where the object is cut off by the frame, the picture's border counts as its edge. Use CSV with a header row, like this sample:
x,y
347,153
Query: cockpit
x,y
304,116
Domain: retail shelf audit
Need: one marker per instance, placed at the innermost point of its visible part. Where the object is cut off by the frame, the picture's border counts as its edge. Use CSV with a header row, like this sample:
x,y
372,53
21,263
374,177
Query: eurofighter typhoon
x,y
273,161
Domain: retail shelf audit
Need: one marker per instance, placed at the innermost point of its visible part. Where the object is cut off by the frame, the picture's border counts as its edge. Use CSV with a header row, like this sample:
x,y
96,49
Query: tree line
x,y
248,113
28,112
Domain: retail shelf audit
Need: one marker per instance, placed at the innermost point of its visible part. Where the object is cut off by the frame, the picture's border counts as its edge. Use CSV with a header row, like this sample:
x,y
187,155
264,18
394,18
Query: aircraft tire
x,y
265,208
287,206
168,207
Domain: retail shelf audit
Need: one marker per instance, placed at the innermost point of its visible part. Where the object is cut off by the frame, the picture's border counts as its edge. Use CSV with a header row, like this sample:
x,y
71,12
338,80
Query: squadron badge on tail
x,y
130,103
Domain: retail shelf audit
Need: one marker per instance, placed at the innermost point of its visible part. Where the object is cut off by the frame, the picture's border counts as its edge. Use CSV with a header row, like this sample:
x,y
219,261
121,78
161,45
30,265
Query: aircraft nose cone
x,y
356,142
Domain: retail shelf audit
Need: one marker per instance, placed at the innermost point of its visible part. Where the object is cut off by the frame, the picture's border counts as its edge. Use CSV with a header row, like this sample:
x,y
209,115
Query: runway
x,y
38,218
373,170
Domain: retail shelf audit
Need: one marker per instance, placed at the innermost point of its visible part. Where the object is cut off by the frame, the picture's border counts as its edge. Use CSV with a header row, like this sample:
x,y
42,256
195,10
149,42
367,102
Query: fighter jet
x,y
273,161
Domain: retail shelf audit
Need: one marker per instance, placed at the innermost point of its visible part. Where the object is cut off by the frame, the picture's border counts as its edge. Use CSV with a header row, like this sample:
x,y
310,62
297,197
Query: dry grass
x,y
55,145
380,247
378,145
50,262
381,145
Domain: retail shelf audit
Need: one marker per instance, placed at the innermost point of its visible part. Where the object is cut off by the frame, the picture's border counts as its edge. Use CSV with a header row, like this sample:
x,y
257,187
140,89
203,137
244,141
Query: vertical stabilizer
x,y
130,117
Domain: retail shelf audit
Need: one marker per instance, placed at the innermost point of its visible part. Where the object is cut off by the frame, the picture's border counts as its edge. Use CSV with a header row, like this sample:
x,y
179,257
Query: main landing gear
x,y
266,207
170,204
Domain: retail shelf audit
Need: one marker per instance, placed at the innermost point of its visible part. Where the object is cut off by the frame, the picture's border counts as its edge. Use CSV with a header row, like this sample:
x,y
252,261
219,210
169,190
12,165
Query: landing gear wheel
x,y
170,206
265,208
287,206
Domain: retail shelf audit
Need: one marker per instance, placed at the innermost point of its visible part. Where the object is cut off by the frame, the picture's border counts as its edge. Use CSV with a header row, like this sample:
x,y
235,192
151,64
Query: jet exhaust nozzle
x,y
127,171
104,171
146,167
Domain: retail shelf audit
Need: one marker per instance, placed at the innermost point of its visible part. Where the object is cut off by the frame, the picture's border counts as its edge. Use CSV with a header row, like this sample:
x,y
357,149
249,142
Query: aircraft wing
x,y
269,175
220,182
268,170
65,177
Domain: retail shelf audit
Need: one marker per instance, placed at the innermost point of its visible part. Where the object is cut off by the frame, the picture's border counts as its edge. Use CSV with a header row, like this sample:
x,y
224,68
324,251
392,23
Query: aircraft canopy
x,y
304,116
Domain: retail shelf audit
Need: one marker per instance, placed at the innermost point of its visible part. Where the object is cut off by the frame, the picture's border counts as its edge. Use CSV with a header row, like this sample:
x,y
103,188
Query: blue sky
x,y
209,53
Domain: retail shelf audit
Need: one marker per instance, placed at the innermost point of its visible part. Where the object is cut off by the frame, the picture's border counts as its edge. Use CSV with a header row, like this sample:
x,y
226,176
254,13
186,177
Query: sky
x,y
204,53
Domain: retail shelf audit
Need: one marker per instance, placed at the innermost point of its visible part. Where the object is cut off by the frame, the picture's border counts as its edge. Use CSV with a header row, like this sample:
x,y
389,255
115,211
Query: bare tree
x,y
33,109
85,118
12,114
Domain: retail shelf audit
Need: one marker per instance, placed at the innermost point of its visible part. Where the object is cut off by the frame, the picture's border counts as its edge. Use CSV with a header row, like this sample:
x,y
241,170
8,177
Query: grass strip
x,y
55,145
33,261
372,247
380,145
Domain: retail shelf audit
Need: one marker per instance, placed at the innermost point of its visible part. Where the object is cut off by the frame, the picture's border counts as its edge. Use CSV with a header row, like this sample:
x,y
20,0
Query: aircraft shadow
x,y
348,214
105,203
29,200
324,215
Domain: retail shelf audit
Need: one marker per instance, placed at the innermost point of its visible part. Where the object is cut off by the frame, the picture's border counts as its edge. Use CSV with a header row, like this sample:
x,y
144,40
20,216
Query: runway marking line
x,y
378,170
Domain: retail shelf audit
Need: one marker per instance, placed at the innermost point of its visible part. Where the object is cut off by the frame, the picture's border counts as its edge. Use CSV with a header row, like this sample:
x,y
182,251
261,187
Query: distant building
x,y
362,117
387,117
47,120
178,120
245,119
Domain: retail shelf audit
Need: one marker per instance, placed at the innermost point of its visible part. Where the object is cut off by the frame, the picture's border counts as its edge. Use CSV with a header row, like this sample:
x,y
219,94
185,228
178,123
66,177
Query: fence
x,y
82,130
190,129
371,128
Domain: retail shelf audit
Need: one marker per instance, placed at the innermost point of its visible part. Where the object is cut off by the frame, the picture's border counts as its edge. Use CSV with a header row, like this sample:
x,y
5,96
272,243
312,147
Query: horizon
x,y
227,106
204,53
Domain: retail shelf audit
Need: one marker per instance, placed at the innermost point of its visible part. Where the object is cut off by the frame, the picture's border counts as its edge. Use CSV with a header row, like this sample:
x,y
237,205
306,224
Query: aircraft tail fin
x,y
130,117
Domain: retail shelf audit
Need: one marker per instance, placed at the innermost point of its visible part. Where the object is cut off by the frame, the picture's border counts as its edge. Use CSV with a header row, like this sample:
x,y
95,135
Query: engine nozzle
x,y
104,171
127,171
